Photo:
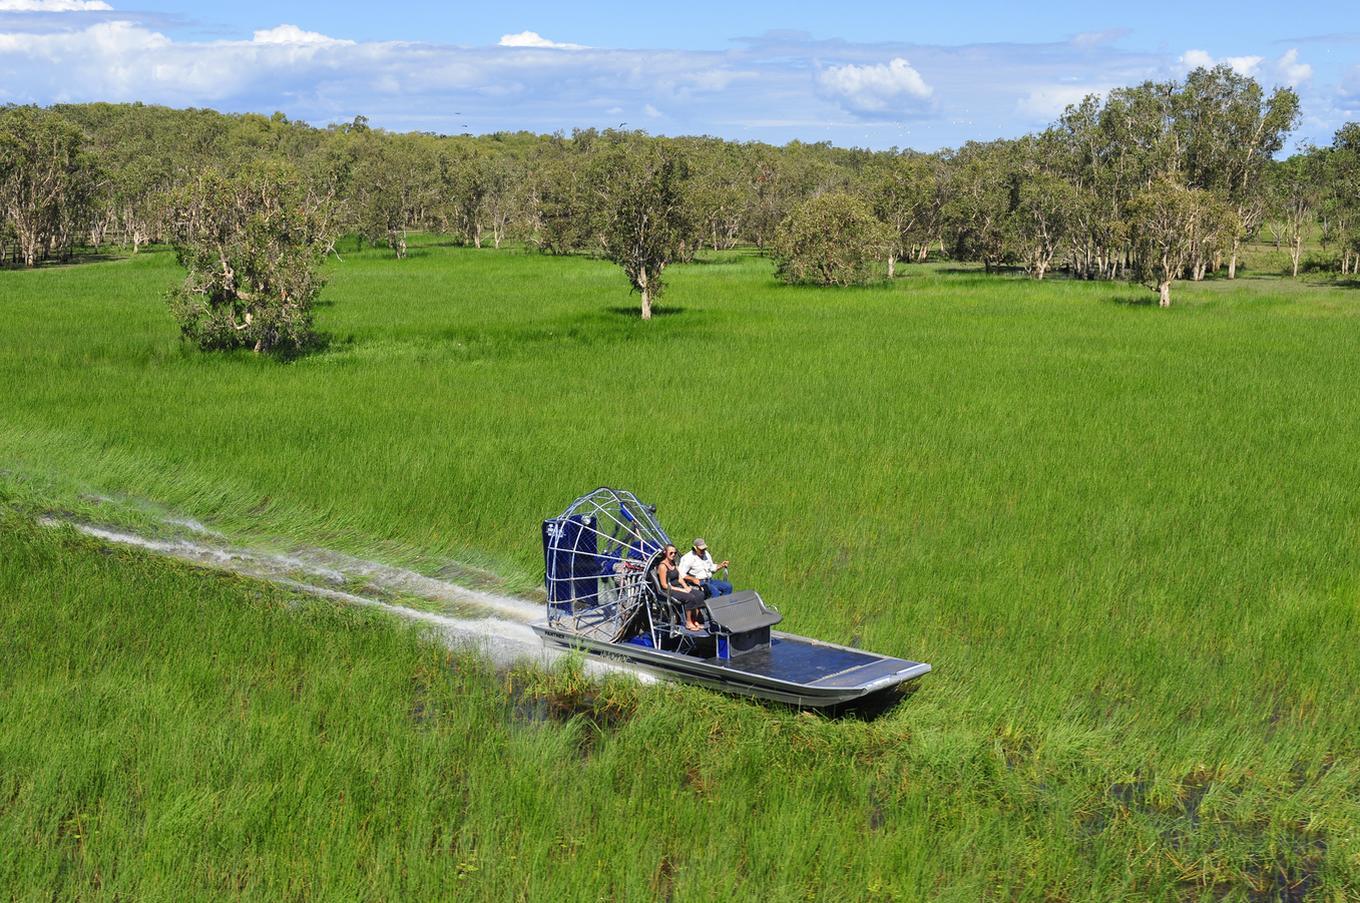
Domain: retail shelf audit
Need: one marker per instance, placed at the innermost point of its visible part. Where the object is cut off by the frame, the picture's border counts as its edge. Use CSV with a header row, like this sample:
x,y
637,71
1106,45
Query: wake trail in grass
x,y
496,625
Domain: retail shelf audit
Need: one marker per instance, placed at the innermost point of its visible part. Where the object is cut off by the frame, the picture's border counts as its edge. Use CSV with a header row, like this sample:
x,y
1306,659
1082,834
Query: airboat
x,y
604,598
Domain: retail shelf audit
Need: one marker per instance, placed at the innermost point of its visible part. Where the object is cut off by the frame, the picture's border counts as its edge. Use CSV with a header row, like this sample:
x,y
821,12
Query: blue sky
x,y
868,74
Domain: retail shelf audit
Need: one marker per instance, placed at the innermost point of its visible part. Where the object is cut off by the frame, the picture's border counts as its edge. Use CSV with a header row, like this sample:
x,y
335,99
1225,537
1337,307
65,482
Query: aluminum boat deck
x,y
794,669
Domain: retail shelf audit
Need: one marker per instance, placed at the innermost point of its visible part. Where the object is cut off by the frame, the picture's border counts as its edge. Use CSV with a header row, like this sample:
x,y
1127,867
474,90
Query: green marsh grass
x,y
1128,539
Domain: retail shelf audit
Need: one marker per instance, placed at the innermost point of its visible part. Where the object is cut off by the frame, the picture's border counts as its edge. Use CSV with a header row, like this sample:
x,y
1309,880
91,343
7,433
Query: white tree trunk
x,y
892,265
1164,294
1232,260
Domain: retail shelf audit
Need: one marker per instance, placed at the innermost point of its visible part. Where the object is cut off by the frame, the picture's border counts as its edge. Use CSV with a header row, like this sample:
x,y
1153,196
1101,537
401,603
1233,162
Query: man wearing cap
x,y
698,564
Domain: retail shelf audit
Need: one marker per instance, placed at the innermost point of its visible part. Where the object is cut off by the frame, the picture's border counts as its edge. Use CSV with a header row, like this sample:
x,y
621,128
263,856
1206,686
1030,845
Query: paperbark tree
x,y
394,183
47,181
1216,228
1043,217
981,183
143,152
721,193
253,248
558,207
771,195
1341,203
1230,131
502,180
831,239
902,197
1163,219
641,211
1293,194
463,177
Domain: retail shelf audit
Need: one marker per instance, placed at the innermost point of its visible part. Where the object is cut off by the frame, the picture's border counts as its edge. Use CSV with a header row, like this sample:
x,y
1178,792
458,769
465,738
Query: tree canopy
x,y
1072,198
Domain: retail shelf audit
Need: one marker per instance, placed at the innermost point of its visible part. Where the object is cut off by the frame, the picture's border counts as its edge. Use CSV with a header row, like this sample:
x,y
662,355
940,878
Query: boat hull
x,y
794,670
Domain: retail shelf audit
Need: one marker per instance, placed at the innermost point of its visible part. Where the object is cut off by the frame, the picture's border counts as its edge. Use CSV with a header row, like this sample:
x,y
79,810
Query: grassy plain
x,y
1128,539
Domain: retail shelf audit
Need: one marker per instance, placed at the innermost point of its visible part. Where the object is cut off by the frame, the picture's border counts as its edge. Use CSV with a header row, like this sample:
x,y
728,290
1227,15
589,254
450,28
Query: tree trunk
x,y
892,265
1164,293
645,289
1295,252
1232,259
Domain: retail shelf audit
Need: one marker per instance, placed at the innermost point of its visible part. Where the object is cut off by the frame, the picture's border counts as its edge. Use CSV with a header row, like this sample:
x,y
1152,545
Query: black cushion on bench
x,y
742,611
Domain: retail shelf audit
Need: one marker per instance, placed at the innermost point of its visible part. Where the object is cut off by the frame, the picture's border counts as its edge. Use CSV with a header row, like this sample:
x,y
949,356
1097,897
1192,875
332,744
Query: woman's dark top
x,y
669,574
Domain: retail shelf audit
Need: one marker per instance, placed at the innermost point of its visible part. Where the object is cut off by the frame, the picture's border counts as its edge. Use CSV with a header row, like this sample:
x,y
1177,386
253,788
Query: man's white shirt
x,y
700,568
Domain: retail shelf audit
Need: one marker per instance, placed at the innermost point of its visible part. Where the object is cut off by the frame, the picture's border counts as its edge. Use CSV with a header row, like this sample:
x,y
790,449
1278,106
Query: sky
x,y
867,74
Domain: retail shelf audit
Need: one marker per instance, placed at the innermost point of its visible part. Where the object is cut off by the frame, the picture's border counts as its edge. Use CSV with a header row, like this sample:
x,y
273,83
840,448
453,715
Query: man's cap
x,y
700,544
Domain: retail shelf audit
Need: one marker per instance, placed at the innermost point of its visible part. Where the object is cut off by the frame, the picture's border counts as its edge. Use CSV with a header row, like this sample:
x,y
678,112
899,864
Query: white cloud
x,y
715,79
1287,70
1196,59
875,89
1348,93
1201,59
53,6
534,39
1048,102
1290,70
1088,39
1243,65
123,61
775,88
291,34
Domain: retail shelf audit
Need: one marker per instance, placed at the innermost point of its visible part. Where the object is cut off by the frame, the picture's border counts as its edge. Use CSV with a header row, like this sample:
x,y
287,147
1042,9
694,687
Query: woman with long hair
x,y
685,590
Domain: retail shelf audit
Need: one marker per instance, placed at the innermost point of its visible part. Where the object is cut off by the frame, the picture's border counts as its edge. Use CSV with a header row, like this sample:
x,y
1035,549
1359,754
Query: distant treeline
x,y
1163,180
